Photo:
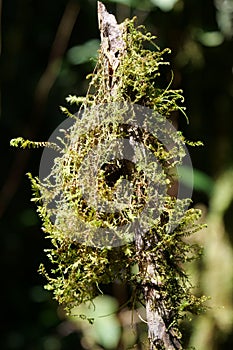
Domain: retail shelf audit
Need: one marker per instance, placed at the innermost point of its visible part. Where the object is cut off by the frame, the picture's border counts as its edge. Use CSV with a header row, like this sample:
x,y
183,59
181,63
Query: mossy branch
x,y
127,72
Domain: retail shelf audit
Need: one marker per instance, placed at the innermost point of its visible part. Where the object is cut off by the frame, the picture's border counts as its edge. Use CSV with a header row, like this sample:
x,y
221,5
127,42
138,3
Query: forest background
x,y
47,49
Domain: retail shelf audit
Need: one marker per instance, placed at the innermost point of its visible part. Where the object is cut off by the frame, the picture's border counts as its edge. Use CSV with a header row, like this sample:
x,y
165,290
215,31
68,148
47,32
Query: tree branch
x,y
162,335
113,46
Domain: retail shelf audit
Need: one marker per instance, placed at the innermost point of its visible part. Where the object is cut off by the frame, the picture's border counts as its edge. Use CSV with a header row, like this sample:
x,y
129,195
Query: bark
x,y
160,332
113,46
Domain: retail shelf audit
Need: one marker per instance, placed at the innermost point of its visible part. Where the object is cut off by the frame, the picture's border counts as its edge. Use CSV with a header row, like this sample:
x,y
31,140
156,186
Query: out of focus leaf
x,y
210,39
224,16
201,181
106,328
83,53
139,4
164,5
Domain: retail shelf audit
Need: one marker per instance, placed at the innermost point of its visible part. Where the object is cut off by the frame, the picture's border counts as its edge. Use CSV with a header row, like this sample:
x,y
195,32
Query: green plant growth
x,y
80,265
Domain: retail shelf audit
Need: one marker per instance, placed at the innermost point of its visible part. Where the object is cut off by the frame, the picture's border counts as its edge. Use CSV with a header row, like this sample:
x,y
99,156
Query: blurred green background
x,y
47,49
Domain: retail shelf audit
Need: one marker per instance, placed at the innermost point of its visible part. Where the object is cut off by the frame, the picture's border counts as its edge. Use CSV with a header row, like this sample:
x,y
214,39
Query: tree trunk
x,y
161,333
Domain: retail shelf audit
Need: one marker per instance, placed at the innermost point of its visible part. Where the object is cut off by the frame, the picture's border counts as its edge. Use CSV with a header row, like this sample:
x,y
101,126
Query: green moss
x,y
80,268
